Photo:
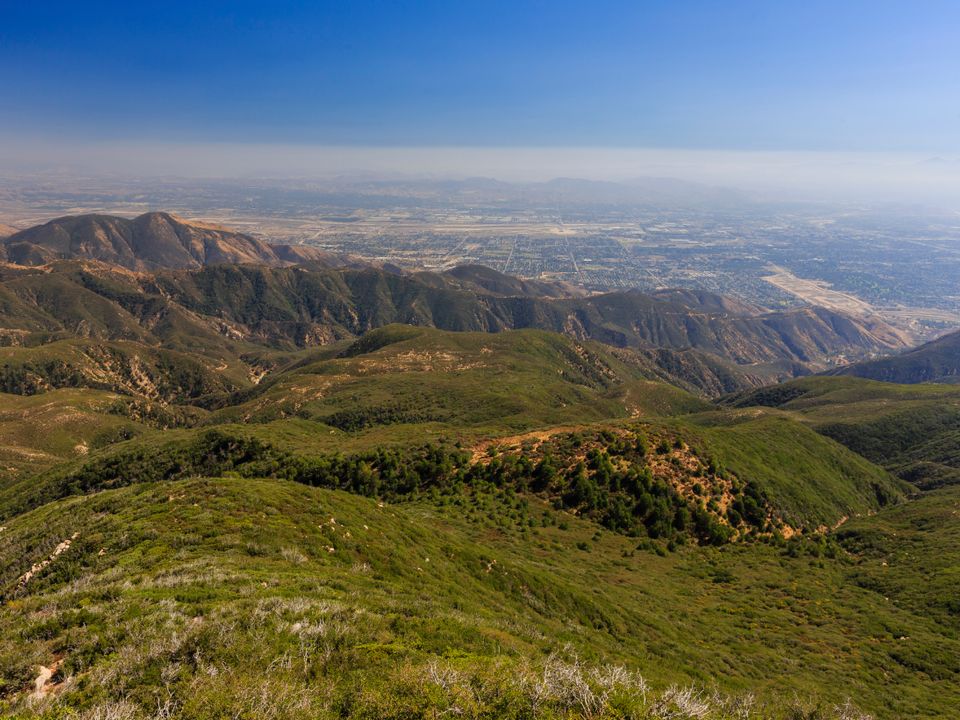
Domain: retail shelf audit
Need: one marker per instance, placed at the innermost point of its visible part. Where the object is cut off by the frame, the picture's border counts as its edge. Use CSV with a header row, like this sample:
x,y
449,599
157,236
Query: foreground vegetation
x,y
421,524
249,598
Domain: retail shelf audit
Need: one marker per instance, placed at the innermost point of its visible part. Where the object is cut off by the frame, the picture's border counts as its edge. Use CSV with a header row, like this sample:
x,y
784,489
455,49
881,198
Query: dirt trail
x,y
37,567
828,528
42,685
39,685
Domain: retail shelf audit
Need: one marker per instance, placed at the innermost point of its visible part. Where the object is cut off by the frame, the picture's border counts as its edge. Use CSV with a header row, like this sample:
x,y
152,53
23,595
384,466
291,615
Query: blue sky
x,y
774,75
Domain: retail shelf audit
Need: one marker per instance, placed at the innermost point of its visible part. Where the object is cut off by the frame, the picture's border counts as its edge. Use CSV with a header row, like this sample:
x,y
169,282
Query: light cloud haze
x,y
889,177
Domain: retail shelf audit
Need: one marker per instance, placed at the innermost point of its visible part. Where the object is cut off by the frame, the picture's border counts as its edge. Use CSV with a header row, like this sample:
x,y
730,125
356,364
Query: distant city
x,y
865,260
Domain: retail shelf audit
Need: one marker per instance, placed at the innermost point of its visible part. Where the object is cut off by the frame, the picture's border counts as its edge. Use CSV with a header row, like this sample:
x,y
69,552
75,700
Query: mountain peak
x,y
150,241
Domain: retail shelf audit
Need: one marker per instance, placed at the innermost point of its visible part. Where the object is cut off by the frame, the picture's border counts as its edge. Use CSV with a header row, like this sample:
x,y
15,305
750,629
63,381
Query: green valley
x,y
288,491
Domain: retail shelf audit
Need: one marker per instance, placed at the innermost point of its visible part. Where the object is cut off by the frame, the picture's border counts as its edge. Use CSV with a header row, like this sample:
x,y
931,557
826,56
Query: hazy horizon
x,y
808,176
857,101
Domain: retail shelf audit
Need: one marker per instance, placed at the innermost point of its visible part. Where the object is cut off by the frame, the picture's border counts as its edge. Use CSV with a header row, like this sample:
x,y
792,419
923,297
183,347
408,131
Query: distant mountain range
x,y
151,241
569,193
196,286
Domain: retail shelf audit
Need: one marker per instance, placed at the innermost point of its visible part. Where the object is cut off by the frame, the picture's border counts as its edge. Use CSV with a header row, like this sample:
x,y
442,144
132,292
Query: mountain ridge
x,y
937,361
148,242
158,279
340,452
303,306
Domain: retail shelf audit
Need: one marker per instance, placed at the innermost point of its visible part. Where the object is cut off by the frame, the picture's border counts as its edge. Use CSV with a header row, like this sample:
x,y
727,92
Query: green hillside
x,y
506,381
402,387
38,431
248,491
811,480
129,368
229,597
421,522
913,430
705,342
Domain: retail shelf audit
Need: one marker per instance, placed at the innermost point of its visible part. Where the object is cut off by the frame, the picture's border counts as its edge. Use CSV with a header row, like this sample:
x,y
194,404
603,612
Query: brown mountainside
x,y
149,242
